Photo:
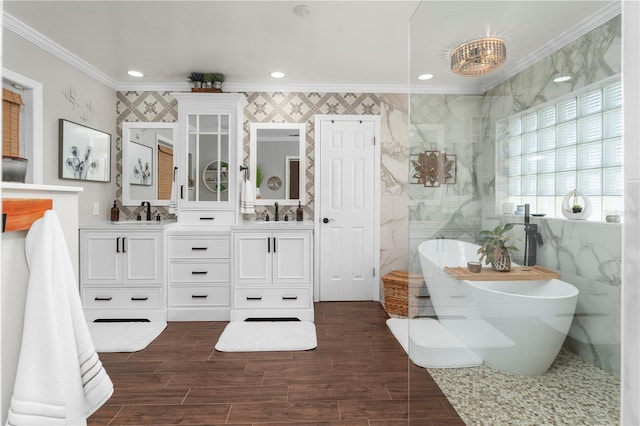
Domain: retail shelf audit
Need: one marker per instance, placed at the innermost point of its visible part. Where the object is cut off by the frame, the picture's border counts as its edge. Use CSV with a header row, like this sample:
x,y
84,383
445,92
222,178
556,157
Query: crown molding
x,y
594,21
48,45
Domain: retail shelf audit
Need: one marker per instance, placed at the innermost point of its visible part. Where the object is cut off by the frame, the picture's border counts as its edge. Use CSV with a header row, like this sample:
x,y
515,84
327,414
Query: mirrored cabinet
x,y
210,126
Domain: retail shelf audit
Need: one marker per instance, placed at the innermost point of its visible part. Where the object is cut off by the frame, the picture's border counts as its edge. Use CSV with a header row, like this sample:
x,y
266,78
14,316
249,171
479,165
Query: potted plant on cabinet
x,y
217,80
196,79
496,247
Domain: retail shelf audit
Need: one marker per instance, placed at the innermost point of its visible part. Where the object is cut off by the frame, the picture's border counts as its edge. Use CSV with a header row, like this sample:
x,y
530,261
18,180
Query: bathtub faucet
x,y
531,238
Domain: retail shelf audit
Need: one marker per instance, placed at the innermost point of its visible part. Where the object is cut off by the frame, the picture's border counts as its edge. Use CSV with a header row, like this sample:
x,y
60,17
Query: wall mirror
x,y
278,150
148,160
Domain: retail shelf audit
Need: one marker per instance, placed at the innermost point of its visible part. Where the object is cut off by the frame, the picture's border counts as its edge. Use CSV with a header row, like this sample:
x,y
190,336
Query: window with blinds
x,y
574,143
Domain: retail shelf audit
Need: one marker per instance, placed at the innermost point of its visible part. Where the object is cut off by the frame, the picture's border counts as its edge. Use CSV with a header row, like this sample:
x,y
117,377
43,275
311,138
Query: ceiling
x,y
349,45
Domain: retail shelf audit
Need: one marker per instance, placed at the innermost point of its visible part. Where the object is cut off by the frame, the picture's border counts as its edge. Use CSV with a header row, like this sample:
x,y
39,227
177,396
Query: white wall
x,y
59,78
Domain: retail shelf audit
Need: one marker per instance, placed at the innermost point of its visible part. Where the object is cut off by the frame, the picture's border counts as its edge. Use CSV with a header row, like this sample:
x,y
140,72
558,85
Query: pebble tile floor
x,y
358,375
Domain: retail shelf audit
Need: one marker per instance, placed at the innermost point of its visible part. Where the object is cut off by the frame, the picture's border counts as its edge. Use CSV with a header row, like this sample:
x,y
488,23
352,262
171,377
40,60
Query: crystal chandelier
x,y
478,57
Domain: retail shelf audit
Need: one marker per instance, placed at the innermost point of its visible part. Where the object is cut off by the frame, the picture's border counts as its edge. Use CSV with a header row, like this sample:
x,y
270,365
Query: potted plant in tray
x,y
196,79
496,247
217,79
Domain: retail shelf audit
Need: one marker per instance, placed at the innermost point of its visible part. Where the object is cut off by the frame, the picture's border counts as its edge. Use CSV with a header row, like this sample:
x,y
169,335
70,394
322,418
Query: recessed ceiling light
x,y
562,78
425,77
302,10
277,74
134,73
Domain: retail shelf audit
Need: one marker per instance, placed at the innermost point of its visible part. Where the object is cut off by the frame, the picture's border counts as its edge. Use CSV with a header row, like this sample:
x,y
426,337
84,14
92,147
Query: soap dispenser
x,y
299,212
115,212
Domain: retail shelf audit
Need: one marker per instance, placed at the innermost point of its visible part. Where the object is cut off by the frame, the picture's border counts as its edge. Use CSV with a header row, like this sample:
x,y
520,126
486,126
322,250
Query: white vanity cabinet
x,y
121,274
210,127
199,275
272,272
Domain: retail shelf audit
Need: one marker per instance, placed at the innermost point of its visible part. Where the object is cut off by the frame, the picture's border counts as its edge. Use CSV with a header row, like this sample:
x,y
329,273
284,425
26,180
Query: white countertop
x,y
129,225
272,224
176,227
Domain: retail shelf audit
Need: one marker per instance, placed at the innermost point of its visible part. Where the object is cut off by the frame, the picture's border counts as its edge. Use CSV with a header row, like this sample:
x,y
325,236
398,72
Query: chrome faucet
x,y
276,214
148,208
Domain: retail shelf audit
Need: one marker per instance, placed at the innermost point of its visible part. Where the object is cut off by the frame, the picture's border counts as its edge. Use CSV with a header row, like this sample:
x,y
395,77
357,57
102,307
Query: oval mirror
x,y
277,162
148,161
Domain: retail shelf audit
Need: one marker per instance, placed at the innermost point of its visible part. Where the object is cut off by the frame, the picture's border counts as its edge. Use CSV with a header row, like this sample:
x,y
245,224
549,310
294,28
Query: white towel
x,y
60,379
174,192
247,200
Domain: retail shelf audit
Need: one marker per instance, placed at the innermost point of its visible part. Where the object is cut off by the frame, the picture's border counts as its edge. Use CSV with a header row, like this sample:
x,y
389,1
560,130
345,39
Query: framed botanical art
x,y
85,153
140,164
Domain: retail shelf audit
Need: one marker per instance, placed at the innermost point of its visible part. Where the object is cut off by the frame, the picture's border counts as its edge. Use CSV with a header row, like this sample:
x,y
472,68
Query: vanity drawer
x,y
118,298
217,247
199,296
271,297
215,271
208,217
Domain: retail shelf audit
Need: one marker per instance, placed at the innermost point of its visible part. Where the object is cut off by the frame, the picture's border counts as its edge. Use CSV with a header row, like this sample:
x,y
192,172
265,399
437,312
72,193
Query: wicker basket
x,y
397,285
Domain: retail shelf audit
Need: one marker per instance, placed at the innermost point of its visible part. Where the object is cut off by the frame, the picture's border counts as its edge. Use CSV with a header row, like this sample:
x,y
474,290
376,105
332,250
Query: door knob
x,y
327,220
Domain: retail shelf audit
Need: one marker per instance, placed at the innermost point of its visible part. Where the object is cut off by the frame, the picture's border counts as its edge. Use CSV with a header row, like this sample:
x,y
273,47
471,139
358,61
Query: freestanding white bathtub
x,y
516,327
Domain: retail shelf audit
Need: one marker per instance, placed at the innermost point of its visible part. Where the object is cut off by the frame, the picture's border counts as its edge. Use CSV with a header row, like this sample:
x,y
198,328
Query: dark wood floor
x,y
358,375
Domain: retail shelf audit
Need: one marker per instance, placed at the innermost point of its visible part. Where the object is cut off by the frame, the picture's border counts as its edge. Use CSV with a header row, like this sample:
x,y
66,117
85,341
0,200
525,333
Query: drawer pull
x,y
199,296
199,248
254,298
289,297
199,272
135,299
102,299
207,218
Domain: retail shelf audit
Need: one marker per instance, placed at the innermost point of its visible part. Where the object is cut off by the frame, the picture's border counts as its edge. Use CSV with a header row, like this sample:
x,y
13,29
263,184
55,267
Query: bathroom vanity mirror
x,y
278,149
148,162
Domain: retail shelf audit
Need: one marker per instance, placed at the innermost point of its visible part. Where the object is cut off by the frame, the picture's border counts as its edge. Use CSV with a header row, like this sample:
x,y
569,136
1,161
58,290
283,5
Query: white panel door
x,y
347,195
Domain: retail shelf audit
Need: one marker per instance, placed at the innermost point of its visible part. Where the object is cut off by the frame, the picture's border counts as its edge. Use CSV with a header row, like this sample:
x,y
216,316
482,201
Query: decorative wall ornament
x,y
86,110
434,168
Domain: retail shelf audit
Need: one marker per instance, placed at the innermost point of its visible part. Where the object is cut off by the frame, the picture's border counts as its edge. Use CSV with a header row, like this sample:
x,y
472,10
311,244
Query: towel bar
x,y
19,213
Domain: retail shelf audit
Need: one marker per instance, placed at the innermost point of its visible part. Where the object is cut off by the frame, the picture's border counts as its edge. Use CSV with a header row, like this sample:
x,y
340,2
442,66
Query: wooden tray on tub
x,y
517,273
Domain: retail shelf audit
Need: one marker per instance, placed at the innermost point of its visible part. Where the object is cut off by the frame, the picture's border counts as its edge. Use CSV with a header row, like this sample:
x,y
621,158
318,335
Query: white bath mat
x,y
258,336
124,336
430,345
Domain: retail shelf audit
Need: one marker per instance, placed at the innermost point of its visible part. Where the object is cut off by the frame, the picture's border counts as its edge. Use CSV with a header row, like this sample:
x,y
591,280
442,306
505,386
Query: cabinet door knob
x,y
207,218
254,298
289,297
199,248
102,299
139,299
199,272
124,249
118,245
199,296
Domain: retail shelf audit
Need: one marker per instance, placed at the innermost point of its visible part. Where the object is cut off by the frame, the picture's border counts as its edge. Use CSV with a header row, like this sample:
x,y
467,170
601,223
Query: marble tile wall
x,y
588,254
